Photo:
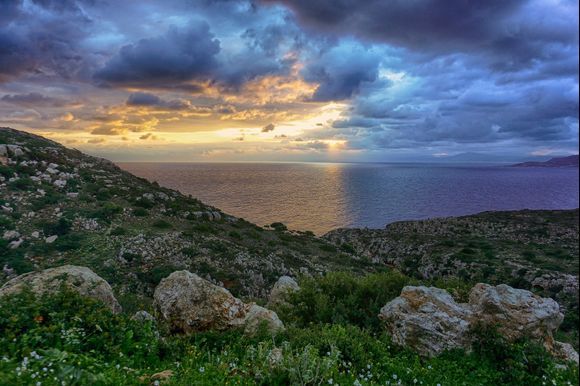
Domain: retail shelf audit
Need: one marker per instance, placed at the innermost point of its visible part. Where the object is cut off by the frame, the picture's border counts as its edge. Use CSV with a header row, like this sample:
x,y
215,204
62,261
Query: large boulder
x,y
427,319
80,279
284,286
516,313
191,304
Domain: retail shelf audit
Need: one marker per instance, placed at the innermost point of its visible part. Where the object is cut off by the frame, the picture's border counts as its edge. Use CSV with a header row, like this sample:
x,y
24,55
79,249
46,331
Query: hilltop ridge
x,y
62,206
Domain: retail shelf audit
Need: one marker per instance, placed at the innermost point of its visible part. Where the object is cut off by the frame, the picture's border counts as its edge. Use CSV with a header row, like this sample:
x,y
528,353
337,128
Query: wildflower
x,y
330,381
156,383
202,369
395,376
415,380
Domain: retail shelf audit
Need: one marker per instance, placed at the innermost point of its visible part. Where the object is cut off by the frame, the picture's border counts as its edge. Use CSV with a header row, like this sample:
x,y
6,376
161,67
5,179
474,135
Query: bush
x,y
65,337
343,298
162,224
23,183
140,212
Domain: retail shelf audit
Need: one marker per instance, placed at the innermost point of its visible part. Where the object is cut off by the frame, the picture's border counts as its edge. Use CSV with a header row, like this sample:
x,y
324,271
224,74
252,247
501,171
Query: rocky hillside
x,y
535,250
59,206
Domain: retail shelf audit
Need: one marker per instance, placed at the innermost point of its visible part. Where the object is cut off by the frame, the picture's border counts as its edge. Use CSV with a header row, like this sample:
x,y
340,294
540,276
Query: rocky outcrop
x,y
428,319
516,313
80,279
284,286
190,304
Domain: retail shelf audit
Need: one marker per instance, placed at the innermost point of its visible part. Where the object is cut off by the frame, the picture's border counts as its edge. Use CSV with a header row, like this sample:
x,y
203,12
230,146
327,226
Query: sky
x,y
293,80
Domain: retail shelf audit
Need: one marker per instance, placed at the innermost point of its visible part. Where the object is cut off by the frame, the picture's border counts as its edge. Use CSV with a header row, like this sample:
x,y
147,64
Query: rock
x,y
80,279
162,376
515,312
258,316
427,319
10,235
430,321
51,239
190,304
143,316
281,289
565,352
35,234
15,244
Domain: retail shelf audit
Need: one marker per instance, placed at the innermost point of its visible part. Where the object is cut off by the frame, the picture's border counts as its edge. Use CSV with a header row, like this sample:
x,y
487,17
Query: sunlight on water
x,y
321,197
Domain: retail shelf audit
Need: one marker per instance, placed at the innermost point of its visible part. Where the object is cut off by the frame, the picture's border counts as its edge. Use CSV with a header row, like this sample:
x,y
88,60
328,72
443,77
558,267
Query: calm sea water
x,y
321,197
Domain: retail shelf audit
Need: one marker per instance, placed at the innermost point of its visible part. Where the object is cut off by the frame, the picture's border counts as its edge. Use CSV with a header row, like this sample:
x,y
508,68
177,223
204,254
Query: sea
x,y
320,197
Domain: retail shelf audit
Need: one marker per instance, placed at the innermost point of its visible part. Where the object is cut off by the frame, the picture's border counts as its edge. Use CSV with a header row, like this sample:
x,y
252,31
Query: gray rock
x,y
515,312
430,321
15,244
427,319
10,235
284,286
51,239
258,316
190,304
80,279
565,352
143,316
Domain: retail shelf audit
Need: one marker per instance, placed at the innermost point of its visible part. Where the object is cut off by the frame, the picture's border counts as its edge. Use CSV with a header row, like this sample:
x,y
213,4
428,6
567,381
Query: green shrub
x,y
23,183
140,212
343,298
65,337
162,224
118,231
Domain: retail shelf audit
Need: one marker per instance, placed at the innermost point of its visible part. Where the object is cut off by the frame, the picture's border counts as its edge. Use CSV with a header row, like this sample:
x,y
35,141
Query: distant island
x,y
556,162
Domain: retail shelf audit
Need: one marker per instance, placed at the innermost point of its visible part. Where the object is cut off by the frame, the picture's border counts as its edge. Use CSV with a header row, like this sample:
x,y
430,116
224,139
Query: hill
x,y
556,162
60,206
84,245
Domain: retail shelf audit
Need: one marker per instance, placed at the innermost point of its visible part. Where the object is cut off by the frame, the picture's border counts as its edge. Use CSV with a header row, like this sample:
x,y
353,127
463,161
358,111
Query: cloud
x,y
180,55
35,99
147,136
269,127
108,130
341,71
143,99
516,31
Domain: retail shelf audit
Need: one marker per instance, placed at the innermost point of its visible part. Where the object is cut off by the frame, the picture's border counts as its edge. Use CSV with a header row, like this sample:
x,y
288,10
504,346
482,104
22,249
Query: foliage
x,y
64,339
344,299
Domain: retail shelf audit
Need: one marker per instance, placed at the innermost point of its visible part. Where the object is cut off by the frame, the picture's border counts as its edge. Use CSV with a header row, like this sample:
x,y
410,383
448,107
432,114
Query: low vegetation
x,y
63,339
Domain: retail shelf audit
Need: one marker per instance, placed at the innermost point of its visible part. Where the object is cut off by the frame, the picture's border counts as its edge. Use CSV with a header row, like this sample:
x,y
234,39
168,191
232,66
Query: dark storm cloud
x,y
182,54
411,74
34,99
143,99
341,71
43,38
513,31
